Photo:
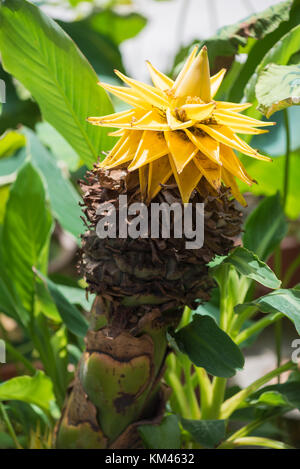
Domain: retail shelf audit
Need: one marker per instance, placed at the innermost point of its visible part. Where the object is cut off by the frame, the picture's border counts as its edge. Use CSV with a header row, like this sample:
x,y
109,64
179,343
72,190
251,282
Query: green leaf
x,y
64,199
210,347
271,180
76,296
285,394
265,227
277,88
284,301
58,146
10,142
44,303
206,432
280,54
270,398
248,264
4,195
33,390
99,50
42,56
166,435
25,234
71,316
118,27
229,38
10,302
10,166
257,49
6,441
273,143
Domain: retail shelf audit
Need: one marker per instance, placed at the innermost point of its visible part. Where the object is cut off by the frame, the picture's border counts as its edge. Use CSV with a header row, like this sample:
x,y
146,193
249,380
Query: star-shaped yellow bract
x,y
175,127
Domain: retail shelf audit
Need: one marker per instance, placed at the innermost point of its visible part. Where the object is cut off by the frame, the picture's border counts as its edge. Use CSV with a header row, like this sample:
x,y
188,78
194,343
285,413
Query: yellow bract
x,y
176,128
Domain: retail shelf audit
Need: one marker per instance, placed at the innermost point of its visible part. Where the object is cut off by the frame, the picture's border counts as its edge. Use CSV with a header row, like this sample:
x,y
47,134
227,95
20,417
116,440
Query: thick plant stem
x,y
118,381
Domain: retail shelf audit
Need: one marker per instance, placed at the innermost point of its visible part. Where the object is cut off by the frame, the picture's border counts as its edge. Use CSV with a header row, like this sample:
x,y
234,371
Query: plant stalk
x,y
9,427
231,404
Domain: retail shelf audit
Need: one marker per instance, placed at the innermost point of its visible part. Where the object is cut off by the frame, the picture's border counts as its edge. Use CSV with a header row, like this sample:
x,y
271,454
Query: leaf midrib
x,y
58,86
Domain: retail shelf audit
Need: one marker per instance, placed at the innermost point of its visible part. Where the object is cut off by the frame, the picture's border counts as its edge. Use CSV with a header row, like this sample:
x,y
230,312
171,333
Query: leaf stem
x,y
205,391
192,399
287,158
186,317
290,271
19,357
9,426
218,392
249,428
257,441
180,396
234,402
277,253
257,326
240,318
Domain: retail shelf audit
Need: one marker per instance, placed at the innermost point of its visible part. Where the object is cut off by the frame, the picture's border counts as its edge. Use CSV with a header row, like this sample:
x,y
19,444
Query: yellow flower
x,y
175,127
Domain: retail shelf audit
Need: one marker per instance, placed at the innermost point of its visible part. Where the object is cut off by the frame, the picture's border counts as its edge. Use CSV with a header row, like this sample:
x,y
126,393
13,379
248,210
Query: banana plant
x,y
144,360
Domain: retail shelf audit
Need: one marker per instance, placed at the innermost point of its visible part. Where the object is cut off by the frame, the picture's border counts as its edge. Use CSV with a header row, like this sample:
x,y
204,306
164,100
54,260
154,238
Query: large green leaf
x,y
273,143
58,146
36,390
71,316
284,301
25,234
77,296
117,27
271,180
280,54
265,227
42,56
64,199
166,435
10,303
210,347
248,264
257,49
228,39
99,50
206,432
278,87
10,166
4,194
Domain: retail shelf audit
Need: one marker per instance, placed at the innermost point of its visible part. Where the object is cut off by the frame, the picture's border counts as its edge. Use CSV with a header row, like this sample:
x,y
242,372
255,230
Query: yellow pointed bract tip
x,y
196,81
176,129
